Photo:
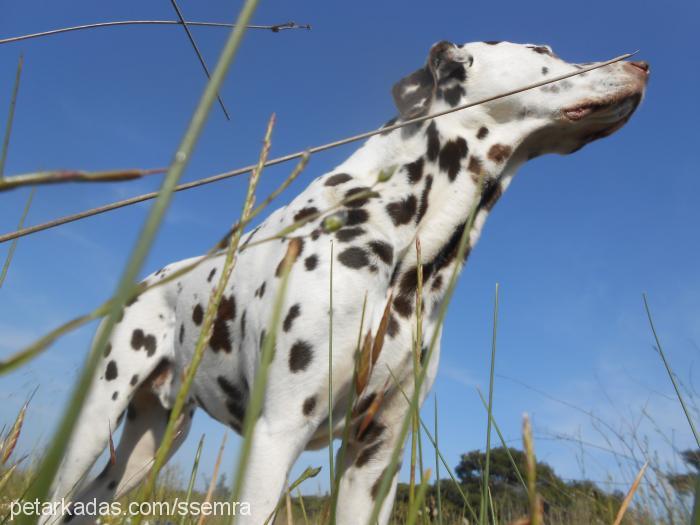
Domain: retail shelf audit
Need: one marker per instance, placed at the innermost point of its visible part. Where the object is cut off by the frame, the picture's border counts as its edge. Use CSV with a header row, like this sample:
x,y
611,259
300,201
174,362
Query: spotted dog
x,y
436,165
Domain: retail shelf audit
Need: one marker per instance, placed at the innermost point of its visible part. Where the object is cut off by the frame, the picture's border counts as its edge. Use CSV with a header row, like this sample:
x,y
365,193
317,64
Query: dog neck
x,y
438,166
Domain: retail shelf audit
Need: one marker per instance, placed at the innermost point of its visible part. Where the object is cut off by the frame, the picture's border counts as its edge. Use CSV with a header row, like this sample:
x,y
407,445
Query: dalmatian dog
x,y
436,165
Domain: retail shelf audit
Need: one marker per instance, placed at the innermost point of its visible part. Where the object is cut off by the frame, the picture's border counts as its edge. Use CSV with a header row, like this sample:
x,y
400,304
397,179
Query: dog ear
x,y
413,95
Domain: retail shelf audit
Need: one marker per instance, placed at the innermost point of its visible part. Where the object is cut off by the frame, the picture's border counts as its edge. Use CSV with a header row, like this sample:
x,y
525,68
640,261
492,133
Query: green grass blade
x,y
52,459
13,245
433,441
420,497
10,117
437,465
485,482
309,472
348,416
331,473
503,442
193,475
671,375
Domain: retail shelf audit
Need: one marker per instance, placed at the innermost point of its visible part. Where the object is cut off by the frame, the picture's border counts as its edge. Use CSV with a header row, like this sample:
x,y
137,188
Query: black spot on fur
x,y
360,201
348,234
115,395
355,217
401,212
373,431
300,356
134,380
383,250
231,390
137,339
211,275
353,257
393,328
262,338
220,336
437,283
433,141
197,314
415,170
243,325
293,313
309,405
181,337
451,156
403,306
482,133
542,50
131,412
365,403
545,70
310,262
338,178
305,213
111,371
491,193
149,343
423,207
493,42
409,282
112,485
367,454
261,290
453,95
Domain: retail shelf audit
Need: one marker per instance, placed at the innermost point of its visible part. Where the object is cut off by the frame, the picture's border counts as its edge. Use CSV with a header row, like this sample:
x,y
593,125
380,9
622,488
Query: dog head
x,y
560,117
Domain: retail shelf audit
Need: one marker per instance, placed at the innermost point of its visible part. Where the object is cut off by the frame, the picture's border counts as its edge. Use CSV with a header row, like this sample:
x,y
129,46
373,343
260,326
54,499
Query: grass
x,y
31,480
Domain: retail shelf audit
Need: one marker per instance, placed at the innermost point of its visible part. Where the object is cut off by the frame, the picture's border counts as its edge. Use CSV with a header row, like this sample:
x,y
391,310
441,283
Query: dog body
x,y
436,166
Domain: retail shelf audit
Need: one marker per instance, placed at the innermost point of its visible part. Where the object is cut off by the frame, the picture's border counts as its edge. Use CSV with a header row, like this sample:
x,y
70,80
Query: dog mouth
x,y
611,110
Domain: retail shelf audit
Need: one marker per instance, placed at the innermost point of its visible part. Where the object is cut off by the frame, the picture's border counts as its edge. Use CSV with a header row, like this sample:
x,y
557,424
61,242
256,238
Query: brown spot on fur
x,y
474,164
482,133
499,152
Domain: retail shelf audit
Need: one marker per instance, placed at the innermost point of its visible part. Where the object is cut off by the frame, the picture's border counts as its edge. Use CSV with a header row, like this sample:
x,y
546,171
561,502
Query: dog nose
x,y
644,66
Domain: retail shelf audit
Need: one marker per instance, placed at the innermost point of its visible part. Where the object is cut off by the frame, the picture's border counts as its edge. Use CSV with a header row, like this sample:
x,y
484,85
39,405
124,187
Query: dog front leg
x,y
274,451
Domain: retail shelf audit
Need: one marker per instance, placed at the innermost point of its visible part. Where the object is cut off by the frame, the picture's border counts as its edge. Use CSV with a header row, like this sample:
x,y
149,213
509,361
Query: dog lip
x,y
583,109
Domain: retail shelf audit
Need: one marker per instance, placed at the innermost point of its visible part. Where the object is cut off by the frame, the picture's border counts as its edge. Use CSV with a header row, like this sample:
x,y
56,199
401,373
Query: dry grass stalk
x,y
60,176
278,160
630,494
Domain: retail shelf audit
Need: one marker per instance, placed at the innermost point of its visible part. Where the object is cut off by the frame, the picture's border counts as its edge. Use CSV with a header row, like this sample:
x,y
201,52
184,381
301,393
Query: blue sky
x,y
573,244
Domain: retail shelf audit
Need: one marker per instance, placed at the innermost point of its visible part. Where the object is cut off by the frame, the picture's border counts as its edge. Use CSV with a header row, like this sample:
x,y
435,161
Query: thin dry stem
x,y
215,178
